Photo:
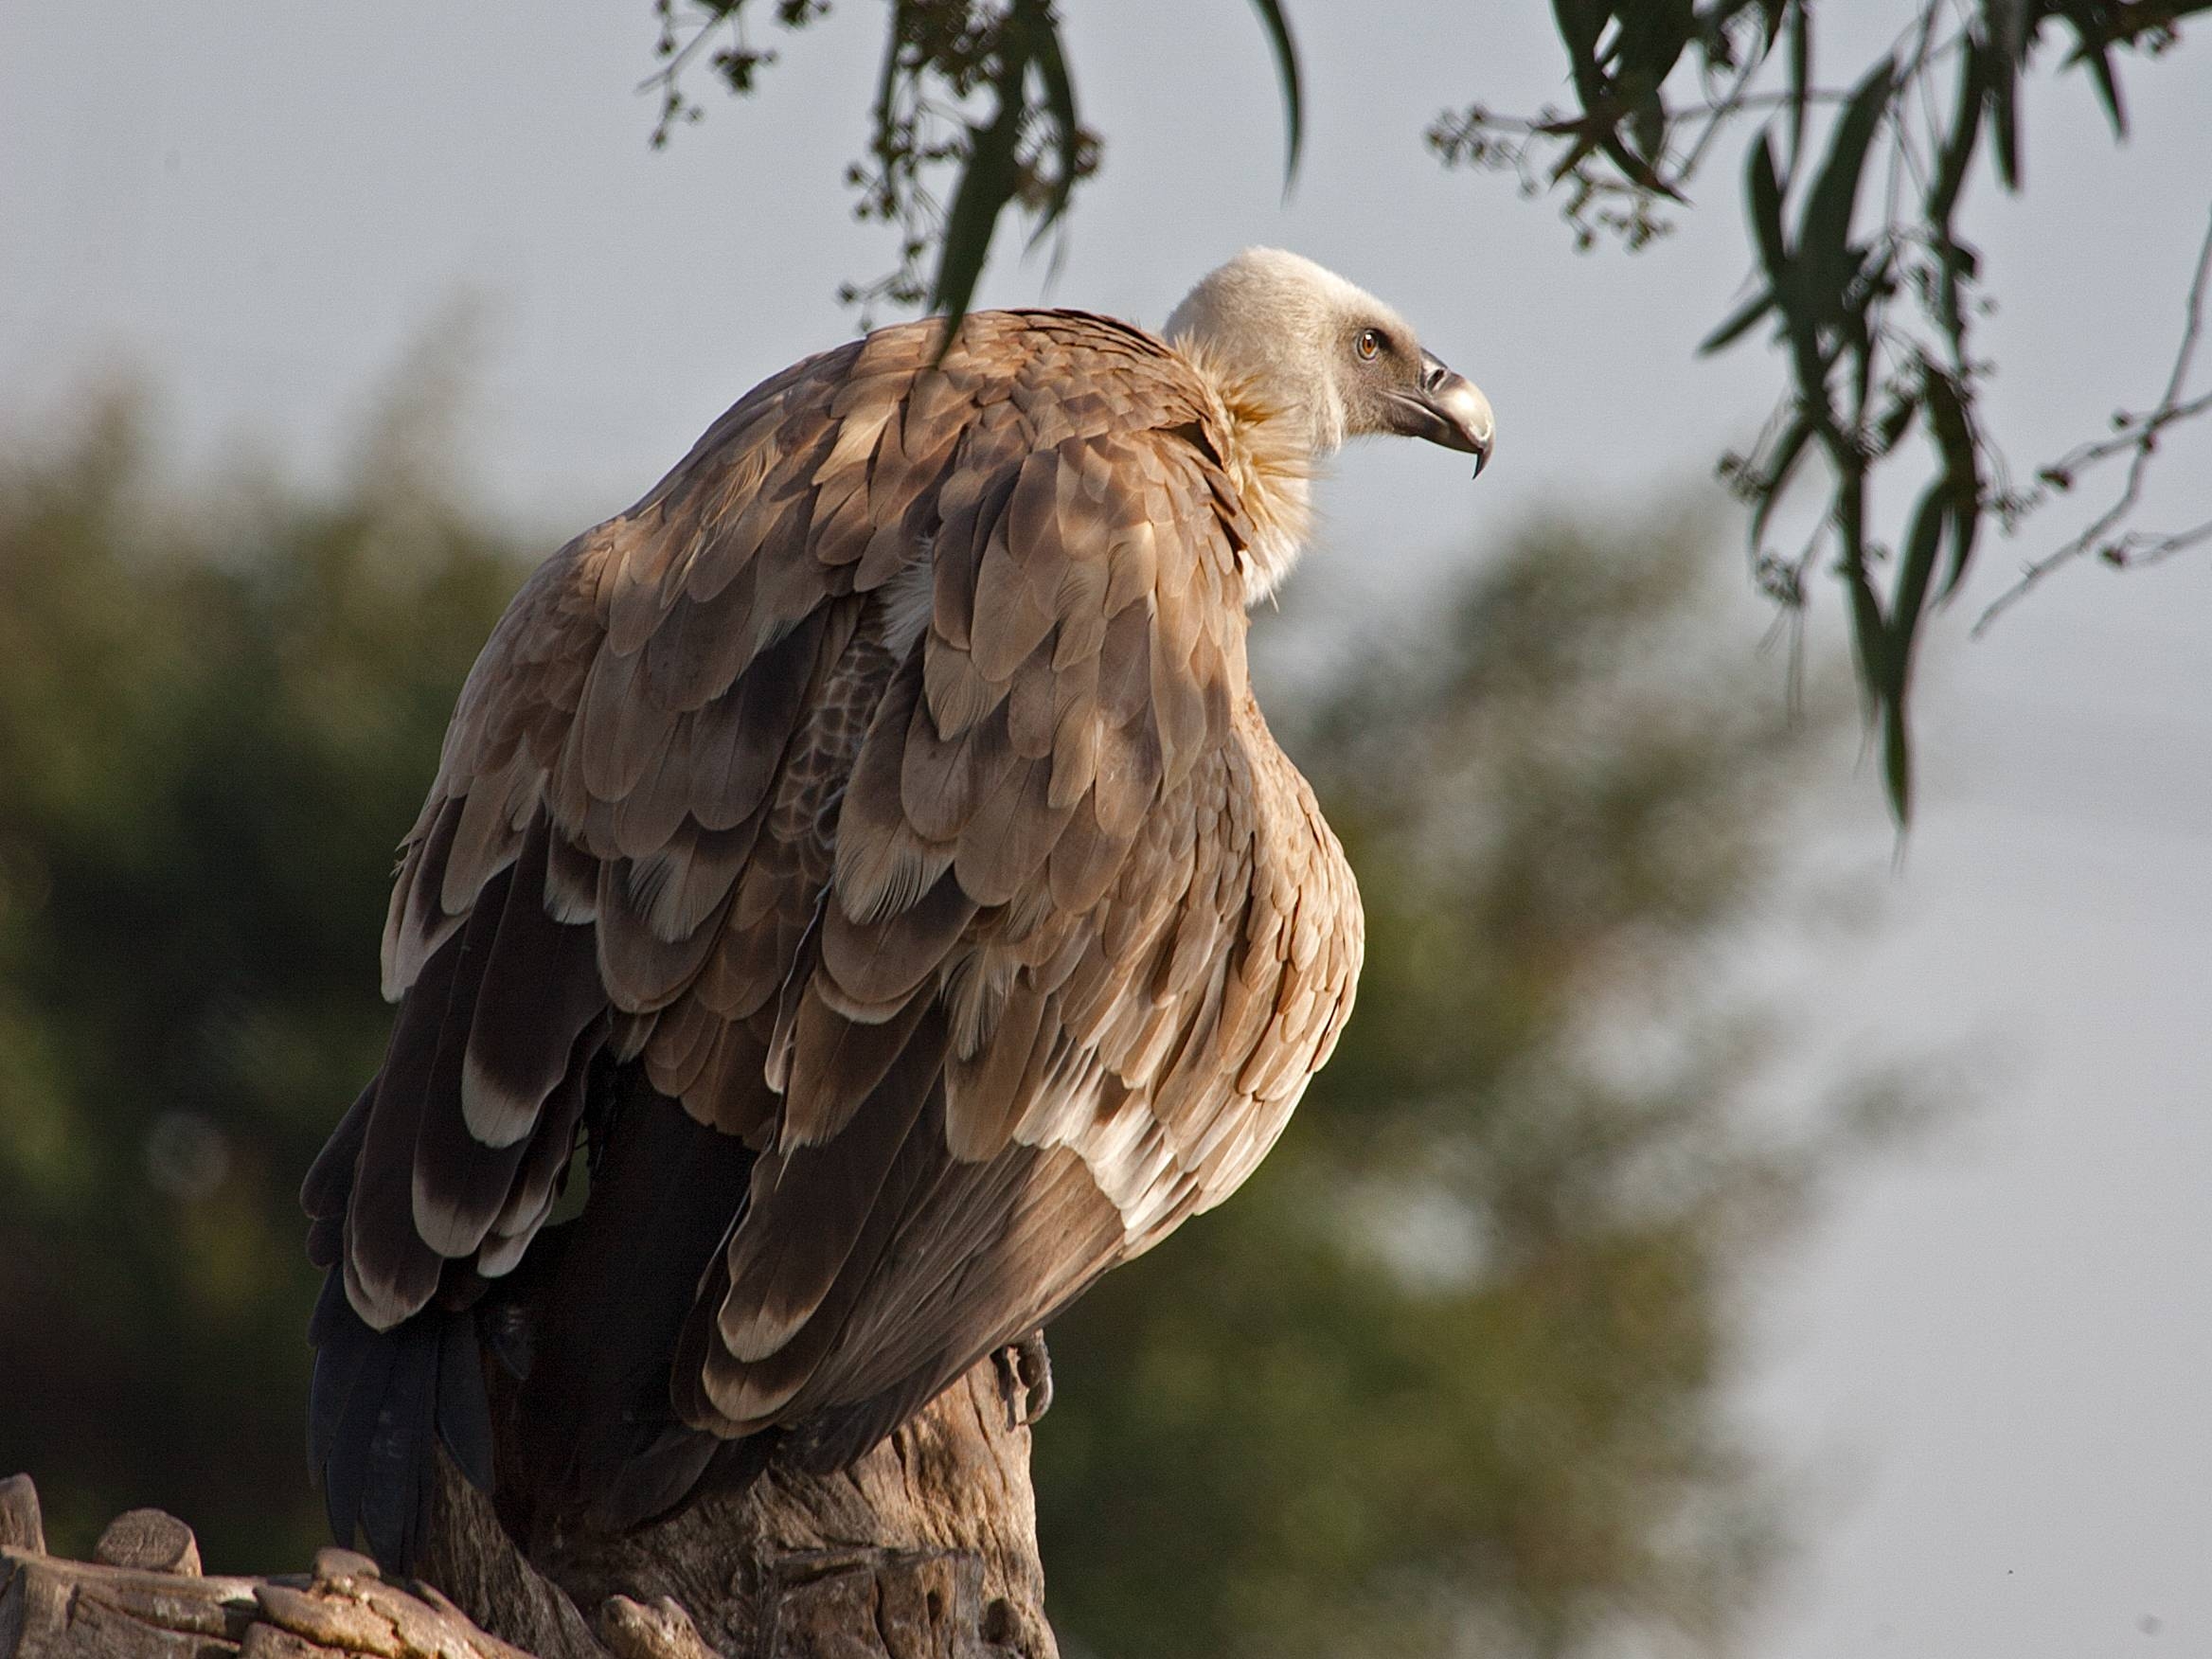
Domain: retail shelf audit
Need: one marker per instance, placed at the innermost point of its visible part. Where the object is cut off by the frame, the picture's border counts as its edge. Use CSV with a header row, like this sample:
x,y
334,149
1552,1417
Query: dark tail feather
x,y
380,1403
600,1437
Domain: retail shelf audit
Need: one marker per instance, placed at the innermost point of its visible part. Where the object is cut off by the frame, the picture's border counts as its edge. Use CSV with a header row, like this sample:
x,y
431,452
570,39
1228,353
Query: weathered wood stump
x,y
926,1549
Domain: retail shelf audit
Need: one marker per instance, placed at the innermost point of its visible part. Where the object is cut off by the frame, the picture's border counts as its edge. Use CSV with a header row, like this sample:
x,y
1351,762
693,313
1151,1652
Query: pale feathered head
x,y
1308,344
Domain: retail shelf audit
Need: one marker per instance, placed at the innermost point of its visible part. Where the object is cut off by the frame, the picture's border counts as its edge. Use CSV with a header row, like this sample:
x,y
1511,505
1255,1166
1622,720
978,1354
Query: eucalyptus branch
x,y
1874,306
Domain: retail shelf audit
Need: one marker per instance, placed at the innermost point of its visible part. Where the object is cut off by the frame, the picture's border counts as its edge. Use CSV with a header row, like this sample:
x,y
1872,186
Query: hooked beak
x,y
1448,410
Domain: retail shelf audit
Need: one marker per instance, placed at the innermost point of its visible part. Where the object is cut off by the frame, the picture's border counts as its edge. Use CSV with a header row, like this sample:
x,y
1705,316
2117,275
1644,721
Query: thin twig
x,y
1716,112
2144,441
2133,429
2140,547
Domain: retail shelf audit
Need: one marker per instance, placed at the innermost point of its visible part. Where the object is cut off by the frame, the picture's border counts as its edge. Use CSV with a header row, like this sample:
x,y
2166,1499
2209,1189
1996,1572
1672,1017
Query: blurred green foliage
x,y
215,717
1453,1369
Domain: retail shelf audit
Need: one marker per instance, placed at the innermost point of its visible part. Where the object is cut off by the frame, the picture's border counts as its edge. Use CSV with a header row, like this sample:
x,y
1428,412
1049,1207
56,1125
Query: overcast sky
x,y
1991,1366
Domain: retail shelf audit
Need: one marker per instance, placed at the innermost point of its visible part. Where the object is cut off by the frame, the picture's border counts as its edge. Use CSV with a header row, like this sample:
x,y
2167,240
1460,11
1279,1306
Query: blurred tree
x,y
1872,306
1457,1360
215,717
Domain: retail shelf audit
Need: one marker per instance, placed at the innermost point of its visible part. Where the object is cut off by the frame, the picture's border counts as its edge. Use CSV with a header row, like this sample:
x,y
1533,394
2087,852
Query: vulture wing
x,y
884,789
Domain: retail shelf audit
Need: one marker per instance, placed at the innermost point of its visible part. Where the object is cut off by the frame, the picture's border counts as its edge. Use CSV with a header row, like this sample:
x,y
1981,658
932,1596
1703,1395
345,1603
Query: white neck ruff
x,y
1270,454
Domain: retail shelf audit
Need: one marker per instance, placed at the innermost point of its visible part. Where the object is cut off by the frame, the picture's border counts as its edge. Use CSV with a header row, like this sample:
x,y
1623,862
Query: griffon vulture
x,y
867,853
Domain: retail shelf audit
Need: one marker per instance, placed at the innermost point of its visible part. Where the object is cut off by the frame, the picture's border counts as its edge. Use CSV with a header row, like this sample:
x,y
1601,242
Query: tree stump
x,y
925,1549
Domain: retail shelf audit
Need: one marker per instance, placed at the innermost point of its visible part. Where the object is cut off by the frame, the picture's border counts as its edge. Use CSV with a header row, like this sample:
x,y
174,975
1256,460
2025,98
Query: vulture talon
x,y
1025,1379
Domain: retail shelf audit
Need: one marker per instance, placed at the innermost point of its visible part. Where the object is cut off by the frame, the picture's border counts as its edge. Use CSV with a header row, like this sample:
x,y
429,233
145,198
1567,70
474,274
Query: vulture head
x,y
1303,343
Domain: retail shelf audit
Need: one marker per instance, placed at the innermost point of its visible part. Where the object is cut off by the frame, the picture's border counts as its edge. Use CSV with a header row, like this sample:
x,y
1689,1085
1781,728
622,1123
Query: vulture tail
x,y
380,1404
600,1444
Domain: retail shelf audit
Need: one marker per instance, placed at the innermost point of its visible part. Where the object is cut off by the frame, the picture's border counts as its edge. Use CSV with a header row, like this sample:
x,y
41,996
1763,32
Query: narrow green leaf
x,y
886,84
1059,99
1910,599
1896,761
1285,64
1800,76
1636,169
1878,681
1654,36
1958,145
1647,125
1954,156
1739,323
1953,428
1870,630
1762,193
2094,49
1824,233
1580,22
2000,67
2108,87
985,188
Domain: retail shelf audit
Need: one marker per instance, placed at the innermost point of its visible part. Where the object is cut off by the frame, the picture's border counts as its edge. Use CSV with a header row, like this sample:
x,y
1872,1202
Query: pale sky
x,y
1990,1362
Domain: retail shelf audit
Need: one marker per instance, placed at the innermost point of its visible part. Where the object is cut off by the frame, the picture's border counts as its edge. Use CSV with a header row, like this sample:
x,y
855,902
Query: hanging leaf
x,y
1955,262
2107,87
1896,762
1999,61
1636,169
1286,65
1762,191
986,188
1824,234
2095,50
1647,125
1652,37
1871,645
1580,23
1869,629
1962,468
1800,78
1910,601
1739,323
1958,145
1060,101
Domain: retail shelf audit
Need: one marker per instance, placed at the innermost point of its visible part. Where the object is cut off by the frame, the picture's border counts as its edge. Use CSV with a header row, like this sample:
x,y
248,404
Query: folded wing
x,y
885,790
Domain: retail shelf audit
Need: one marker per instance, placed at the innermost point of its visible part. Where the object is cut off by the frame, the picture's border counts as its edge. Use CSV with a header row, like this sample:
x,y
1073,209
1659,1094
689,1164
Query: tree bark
x,y
925,1549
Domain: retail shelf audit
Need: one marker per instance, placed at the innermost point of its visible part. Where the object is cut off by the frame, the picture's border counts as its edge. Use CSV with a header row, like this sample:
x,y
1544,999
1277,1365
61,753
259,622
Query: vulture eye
x,y
1369,344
